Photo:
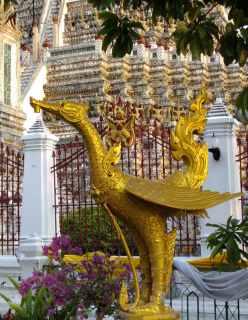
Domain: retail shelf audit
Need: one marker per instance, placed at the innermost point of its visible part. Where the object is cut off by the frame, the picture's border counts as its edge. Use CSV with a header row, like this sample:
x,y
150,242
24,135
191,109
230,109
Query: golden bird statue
x,y
143,204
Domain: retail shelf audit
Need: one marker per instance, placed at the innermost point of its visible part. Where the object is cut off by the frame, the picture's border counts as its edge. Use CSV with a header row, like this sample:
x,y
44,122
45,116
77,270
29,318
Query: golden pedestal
x,y
161,316
169,314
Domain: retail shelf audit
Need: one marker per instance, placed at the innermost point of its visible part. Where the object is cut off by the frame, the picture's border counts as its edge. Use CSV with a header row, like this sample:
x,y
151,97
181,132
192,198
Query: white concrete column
x,y
37,213
223,175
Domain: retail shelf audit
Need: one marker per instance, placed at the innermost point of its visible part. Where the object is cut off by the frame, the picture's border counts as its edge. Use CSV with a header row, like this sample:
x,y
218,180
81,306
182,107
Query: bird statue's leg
x,y
170,243
145,268
154,227
157,258
157,254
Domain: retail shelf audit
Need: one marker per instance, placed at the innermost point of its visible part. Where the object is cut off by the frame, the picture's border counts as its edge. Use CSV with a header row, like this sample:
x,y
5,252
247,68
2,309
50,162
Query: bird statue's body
x,y
142,205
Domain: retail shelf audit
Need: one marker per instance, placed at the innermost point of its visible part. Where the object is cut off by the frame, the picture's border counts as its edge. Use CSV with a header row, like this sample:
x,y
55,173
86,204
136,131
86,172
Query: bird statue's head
x,y
72,112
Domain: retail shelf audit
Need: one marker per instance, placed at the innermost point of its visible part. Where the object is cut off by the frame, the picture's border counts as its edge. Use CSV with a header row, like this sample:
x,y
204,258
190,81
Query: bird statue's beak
x,y
36,109
38,105
35,105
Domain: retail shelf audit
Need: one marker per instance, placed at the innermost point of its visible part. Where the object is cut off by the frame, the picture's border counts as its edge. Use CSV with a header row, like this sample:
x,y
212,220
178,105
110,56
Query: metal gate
x,y
242,158
11,172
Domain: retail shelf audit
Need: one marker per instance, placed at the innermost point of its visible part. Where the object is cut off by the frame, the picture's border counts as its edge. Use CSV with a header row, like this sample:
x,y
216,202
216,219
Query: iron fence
x,y
242,158
193,305
11,172
150,157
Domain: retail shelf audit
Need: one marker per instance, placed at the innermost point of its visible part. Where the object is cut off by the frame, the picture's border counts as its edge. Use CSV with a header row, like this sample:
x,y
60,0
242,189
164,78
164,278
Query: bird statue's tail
x,y
123,299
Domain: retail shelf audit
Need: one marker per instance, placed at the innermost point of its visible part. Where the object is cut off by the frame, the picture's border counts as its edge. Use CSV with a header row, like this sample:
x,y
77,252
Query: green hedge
x,y
90,228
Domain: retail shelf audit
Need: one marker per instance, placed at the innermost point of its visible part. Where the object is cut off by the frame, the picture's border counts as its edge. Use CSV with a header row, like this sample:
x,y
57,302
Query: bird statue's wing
x,y
168,195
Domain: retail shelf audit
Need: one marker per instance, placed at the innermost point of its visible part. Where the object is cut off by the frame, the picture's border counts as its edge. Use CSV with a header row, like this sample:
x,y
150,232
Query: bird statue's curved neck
x,y
93,141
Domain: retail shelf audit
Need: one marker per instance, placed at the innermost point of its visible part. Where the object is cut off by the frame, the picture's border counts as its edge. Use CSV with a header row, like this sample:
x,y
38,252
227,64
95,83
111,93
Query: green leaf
x,y
108,16
197,37
5,298
14,283
215,226
242,101
244,253
41,303
29,303
234,222
108,39
228,44
217,250
233,253
119,33
19,312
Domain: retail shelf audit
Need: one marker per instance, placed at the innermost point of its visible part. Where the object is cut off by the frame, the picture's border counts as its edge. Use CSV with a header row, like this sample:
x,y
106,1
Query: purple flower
x,y
59,246
98,259
45,250
65,242
49,280
76,250
51,311
117,288
24,288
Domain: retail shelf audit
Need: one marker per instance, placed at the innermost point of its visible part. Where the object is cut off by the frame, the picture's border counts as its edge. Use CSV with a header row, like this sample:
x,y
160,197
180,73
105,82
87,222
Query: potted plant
x,y
230,241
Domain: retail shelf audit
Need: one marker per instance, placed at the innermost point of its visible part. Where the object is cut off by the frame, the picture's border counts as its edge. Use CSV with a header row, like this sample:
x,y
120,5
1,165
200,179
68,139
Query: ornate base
x,y
169,315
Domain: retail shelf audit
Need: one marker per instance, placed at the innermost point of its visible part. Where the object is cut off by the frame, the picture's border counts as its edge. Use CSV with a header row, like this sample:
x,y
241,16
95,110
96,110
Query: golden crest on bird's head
x,y
73,112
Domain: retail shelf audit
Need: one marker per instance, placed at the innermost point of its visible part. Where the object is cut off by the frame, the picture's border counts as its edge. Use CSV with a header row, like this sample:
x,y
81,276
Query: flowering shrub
x,y
71,290
59,247
100,282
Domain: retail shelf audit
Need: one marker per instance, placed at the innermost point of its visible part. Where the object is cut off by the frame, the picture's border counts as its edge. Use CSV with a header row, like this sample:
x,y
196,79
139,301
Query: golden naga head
x,y
71,111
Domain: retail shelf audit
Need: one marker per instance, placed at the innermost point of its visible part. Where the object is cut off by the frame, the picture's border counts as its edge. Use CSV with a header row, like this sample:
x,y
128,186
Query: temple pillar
x,y
223,173
38,225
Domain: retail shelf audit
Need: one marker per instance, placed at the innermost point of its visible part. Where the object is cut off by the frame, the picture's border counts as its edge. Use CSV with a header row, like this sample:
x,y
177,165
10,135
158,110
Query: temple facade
x,y
78,69
11,115
153,72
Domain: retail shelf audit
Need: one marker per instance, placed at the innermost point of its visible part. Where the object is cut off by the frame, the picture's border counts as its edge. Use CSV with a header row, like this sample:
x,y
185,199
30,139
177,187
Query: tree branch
x,y
211,8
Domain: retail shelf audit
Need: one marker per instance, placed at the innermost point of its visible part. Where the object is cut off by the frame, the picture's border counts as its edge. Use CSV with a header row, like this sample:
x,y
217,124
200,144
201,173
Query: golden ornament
x,y
143,204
